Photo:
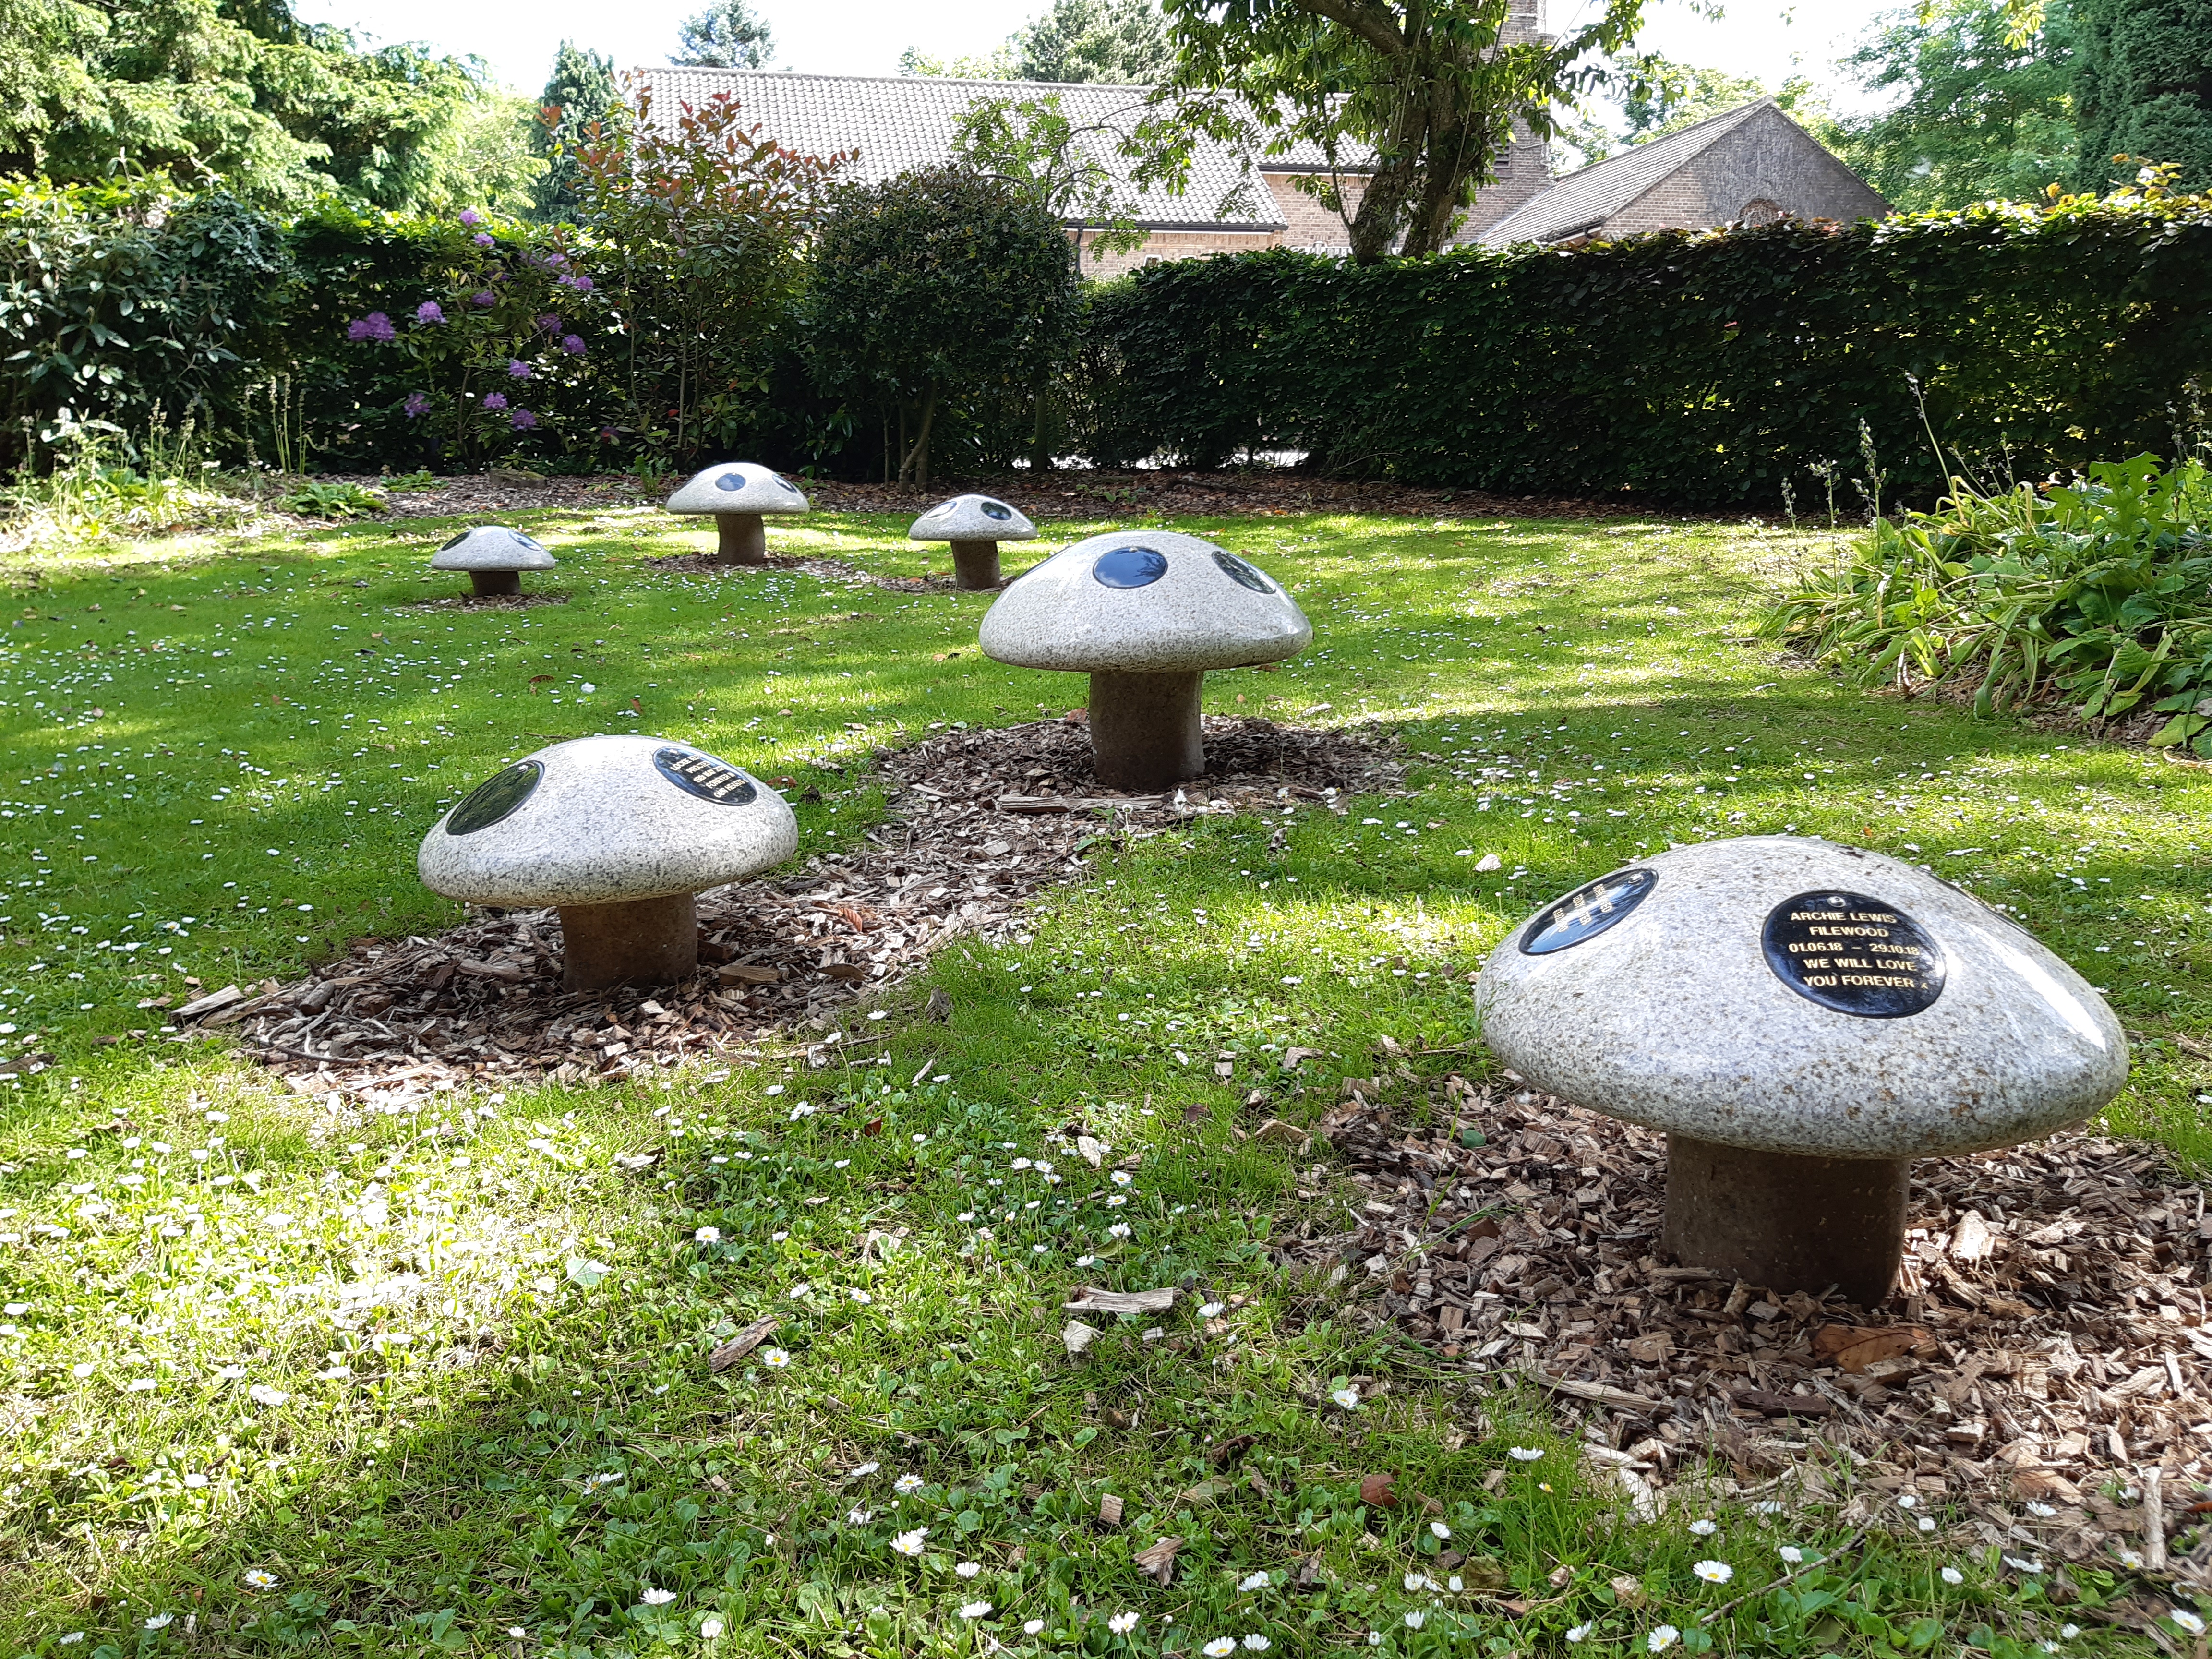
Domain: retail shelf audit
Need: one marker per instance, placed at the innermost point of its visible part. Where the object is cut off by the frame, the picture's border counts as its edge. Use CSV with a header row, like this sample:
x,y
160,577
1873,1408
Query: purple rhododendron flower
x,y
549,323
574,345
483,297
429,311
482,239
375,326
517,369
470,216
582,284
495,400
522,420
416,404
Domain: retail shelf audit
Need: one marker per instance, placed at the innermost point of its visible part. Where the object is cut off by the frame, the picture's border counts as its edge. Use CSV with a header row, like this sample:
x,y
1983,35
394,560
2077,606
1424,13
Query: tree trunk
x,y
913,468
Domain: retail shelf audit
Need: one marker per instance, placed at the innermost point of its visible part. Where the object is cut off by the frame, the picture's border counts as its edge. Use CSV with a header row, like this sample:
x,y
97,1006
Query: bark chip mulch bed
x,y
2048,1344
980,822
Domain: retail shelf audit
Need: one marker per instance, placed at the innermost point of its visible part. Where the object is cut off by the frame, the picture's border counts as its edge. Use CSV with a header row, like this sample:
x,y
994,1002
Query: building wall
x,y
1523,171
1307,223
1174,245
1766,164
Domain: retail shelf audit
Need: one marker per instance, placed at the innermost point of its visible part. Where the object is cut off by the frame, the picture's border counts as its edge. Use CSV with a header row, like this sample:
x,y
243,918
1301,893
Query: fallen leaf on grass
x,y
1203,1493
1077,1337
1629,1592
742,1344
1089,1299
1158,1561
1093,1151
1222,1453
1379,1490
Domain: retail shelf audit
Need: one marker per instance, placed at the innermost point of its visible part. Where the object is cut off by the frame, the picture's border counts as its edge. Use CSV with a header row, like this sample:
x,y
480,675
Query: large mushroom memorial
x,y
1802,1020
736,493
495,558
975,525
1146,614
620,834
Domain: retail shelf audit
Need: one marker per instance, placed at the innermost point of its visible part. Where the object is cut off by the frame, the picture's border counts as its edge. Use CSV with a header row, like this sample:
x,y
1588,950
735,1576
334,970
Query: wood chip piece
x,y
1110,1509
742,1344
1157,1561
1091,1300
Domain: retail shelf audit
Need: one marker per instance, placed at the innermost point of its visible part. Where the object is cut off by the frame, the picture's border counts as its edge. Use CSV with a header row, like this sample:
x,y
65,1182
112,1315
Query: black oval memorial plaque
x,y
998,510
1129,567
1587,911
705,776
731,480
1852,953
1243,574
494,799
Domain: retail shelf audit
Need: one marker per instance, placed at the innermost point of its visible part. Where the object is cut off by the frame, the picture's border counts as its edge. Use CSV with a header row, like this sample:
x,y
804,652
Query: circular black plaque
x,y
1587,911
1129,567
1853,953
494,799
998,510
705,777
731,480
1244,574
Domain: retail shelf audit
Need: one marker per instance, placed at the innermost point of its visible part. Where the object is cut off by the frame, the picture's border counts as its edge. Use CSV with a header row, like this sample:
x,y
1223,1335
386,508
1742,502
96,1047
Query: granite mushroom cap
x,y
972,519
491,547
1143,602
1787,994
739,487
605,820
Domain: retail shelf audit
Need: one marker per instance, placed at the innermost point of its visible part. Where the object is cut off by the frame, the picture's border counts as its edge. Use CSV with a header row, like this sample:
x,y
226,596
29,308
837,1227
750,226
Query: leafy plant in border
x,y
2101,588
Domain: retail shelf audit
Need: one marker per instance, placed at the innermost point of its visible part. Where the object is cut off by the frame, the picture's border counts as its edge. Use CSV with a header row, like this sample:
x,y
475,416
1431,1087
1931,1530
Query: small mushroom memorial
x,y
1146,614
737,494
495,557
975,525
620,834
1802,1020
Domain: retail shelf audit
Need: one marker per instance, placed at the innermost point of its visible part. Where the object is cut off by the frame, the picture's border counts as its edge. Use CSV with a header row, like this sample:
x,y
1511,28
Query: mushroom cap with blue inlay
x,y
491,547
604,821
1787,994
1143,602
739,487
972,519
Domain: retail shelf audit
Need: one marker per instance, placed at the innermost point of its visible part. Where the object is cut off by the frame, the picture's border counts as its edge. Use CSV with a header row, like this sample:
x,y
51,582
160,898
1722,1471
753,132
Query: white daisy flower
x,y
1660,1639
908,1482
2041,1511
1219,1648
1415,1620
2129,1559
1031,1627
1705,1528
255,1579
707,1236
1257,1643
1714,1572
969,1569
1953,1575
1580,1632
1927,1523
1524,1453
2188,1621
859,1469
909,1543
774,1358
1792,1554
159,1621
2068,1632
2019,1565
1253,1582
1120,1624
656,1598
711,1630
1347,1398
974,1609
859,1517
1908,1501
1439,1530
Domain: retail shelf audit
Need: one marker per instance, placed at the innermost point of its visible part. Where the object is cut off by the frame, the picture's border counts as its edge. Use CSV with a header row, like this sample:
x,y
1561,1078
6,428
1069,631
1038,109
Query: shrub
x,y
2100,589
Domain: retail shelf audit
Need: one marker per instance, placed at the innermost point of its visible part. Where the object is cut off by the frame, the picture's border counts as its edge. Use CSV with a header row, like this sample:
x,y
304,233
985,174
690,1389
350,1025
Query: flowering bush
x,y
487,356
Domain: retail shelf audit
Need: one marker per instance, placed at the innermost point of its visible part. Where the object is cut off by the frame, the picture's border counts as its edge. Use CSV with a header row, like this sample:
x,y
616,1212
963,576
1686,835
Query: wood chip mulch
x,y
980,822
1088,494
2048,1344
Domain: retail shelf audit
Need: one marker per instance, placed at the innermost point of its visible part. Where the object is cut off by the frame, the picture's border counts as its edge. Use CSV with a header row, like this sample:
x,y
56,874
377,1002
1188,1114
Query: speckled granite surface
x,y
1908,1020
739,487
972,519
491,547
606,819
1144,602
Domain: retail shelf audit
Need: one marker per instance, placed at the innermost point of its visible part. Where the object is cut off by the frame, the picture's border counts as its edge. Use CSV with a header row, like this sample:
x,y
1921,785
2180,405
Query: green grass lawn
x,y
436,1381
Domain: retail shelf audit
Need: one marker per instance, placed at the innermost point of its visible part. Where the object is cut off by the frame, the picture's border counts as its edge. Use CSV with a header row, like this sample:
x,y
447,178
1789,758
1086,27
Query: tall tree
x,y
1980,116
577,94
2143,86
1431,89
1122,41
726,36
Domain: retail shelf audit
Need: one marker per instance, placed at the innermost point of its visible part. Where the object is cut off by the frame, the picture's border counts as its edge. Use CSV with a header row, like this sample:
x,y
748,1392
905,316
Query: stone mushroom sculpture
x,y
620,834
736,493
1144,613
495,557
975,525
1802,1020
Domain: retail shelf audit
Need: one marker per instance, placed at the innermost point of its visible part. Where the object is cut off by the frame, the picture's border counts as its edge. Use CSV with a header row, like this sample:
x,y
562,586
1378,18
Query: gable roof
x,y
1585,199
897,123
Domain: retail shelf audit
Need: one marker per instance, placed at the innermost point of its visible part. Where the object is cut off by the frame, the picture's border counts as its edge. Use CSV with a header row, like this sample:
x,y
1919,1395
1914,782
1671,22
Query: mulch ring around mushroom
x,y
2045,1345
491,601
835,570
980,822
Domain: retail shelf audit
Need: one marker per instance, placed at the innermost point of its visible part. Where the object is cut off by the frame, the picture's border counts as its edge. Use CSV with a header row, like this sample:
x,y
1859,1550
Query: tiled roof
x,y
901,122
1585,199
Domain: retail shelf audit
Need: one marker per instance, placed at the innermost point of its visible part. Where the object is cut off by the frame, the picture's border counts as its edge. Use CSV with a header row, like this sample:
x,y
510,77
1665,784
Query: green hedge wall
x,y
1707,367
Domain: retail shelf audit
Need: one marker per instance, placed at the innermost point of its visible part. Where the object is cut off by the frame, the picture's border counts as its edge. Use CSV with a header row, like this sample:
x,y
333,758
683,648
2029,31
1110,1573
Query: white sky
x,y
1770,39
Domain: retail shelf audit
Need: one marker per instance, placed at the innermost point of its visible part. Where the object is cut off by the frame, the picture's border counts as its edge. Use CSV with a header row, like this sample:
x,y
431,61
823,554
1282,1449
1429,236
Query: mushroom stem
x,y
743,537
1144,729
653,941
975,565
1786,1222
494,584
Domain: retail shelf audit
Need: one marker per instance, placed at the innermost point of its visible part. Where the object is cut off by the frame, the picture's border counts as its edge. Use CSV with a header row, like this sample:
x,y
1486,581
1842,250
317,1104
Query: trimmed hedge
x,y
1707,367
